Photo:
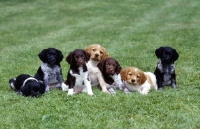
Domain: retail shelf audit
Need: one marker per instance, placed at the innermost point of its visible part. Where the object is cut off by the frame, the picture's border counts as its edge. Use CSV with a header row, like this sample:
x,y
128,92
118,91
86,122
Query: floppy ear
x,y
105,55
175,55
42,55
118,68
100,65
158,52
123,74
88,50
143,78
59,56
87,56
69,58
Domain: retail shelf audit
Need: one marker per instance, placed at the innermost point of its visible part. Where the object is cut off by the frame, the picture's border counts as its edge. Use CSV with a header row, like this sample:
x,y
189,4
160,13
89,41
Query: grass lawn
x,y
130,30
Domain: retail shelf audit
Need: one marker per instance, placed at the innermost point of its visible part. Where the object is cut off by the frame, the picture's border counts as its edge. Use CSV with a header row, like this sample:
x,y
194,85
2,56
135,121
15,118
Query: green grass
x,y
130,30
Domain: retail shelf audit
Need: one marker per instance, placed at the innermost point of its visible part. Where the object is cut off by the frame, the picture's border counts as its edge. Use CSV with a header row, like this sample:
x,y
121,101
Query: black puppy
x,y
50,70
110,69
27,85
77,78
165,70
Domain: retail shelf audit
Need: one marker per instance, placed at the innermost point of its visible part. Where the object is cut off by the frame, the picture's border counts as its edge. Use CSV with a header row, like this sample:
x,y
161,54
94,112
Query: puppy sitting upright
x,y
50,71
27,85
165,70
110,69
97,53
137,80
77,78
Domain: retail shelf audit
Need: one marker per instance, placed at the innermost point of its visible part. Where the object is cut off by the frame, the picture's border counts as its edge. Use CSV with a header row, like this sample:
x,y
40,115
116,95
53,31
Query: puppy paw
x,y
64,87
144,92
174,86
70,92
126,91
47,89
160,89
112,91
91,93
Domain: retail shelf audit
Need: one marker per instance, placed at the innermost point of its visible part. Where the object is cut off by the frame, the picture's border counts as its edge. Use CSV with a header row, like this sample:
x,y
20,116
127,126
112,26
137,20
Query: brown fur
x,y
133,75
97,52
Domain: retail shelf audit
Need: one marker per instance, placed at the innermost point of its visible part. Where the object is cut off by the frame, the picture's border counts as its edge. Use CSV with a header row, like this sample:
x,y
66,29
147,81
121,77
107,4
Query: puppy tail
x,y
12,83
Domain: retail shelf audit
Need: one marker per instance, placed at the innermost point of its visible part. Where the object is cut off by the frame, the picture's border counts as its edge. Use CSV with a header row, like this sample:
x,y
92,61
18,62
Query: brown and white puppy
x,y
110,69
137,80
77,78
97,53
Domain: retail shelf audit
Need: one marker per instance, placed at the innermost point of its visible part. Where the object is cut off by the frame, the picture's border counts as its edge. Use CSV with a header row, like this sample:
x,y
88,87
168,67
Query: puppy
x,y
97,53
110,69
27,85
165,70
137,80
50,70
77,78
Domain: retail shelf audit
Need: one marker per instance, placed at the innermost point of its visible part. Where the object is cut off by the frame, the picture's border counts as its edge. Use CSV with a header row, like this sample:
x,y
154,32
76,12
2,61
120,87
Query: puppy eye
x,y
138,76
101,52
130,74
93,50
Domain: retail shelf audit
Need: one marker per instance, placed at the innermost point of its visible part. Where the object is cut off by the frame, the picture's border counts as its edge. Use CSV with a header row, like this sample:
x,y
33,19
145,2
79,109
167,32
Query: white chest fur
x,y
80,77
93,71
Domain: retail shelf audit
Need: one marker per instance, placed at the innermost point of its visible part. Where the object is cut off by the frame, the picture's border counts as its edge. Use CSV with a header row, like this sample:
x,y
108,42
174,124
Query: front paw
x,y
47,88
112,91
174,86
160,88
90,93
64,87
144,92
126,91
70,92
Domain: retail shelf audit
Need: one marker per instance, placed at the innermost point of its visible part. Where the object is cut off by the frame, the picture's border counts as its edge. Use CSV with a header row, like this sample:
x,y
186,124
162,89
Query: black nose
x,y
133,80
96,55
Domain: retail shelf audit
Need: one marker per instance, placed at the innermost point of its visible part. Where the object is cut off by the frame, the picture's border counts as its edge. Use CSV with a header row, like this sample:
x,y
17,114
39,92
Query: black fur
x,y
165,70
31,87
50,71
77,58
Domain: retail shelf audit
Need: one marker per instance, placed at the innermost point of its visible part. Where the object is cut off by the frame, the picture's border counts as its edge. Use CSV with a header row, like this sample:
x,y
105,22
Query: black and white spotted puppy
x,y
77,78
27,85
50,71
165,70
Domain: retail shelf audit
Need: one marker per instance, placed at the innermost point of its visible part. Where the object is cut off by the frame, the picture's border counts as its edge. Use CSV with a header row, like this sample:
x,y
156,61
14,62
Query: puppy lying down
x,y
136,80
27,85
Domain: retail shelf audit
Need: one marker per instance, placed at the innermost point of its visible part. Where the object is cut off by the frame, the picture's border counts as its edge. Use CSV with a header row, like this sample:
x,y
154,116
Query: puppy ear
x,y
118,68
105,54
42,55
59,56
123,74
158,52
87,56
69,58
100,65
175,55
143,78
88,50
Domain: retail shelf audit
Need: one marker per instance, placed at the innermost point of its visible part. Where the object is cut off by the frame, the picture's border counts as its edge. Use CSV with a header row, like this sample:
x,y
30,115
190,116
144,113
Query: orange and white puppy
x,y
136,80
97,53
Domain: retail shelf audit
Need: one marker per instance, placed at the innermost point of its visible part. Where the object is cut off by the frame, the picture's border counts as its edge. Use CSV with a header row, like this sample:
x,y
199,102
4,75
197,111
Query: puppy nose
x,y
133,80
96,55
